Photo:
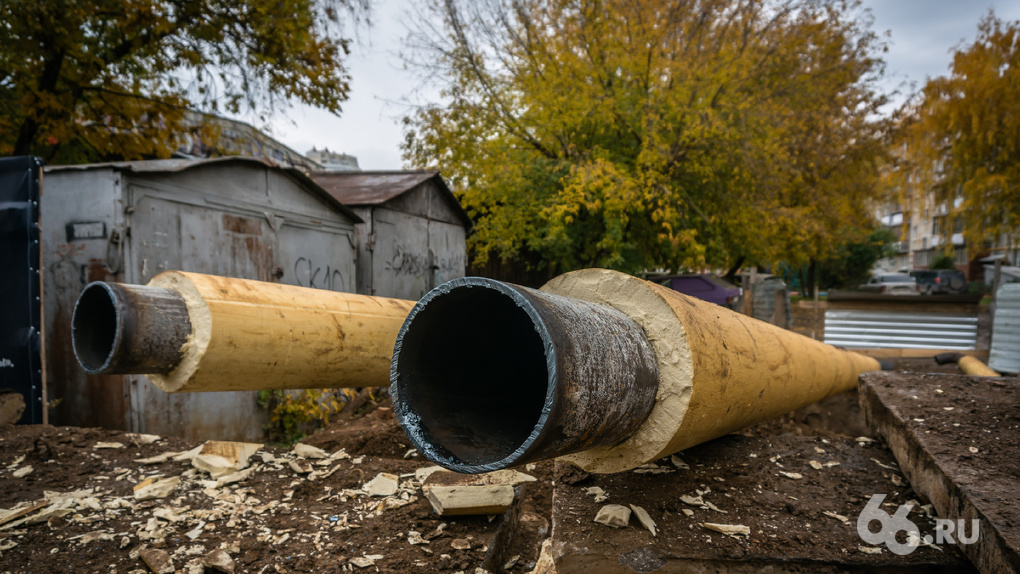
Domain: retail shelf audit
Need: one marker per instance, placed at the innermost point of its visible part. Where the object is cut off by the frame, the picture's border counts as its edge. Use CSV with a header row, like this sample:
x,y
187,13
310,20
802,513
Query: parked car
x,y
703,286
939,281
892,284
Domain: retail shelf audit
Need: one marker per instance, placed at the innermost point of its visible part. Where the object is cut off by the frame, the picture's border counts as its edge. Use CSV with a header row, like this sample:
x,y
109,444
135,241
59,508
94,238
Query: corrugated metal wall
x,y
901,330
1005,354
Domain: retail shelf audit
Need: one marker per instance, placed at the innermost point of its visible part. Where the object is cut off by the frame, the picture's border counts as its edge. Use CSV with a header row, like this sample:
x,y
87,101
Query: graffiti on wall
x,y
404,262
309,274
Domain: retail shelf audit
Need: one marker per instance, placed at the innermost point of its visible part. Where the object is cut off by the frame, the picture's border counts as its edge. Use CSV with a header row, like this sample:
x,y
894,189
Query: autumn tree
x,y
961,138
635,133
111,79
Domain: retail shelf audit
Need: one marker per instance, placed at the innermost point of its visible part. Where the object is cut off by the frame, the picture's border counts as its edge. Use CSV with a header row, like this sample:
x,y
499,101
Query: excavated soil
x,y
280,521
317,525
801,520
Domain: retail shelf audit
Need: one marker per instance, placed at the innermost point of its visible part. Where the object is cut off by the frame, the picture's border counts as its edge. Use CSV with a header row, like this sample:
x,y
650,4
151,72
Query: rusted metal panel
x,y
239,218
1005,354
70,262
395,189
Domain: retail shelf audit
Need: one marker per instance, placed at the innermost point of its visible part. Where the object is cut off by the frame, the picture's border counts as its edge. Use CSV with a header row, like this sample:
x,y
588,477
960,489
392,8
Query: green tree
x,y
962,136
852,262
633,134
111,79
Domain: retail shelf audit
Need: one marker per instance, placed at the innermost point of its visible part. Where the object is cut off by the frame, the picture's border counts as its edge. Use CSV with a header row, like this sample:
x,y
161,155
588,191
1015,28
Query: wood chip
x,y
729,529
470,500
614,515
644,518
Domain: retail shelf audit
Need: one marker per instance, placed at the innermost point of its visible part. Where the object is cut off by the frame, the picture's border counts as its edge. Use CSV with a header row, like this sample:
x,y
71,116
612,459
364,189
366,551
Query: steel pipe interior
x,y
488,375
95,327
476,373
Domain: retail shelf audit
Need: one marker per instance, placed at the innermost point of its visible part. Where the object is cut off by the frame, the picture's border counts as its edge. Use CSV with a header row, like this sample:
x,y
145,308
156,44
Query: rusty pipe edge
x,y
488,375
123,329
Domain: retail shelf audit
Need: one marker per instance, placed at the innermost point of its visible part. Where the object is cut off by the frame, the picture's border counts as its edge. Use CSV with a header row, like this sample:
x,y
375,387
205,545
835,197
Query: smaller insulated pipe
x,y
487,375
189,332
121,329
968,364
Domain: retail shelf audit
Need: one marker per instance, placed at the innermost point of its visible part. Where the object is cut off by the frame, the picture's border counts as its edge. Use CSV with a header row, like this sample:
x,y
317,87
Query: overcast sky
x,y
922,34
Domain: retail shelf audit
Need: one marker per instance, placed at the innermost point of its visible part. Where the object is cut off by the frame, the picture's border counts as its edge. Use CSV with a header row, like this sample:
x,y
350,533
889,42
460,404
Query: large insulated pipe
x,y
191,332
480,379
488,375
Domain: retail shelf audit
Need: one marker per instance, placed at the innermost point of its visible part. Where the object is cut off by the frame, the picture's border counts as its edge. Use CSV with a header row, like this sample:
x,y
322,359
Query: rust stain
x,y
242,225
96,271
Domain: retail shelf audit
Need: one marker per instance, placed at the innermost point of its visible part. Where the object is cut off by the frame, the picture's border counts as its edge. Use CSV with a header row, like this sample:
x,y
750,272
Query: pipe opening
x,y
95,327
472,376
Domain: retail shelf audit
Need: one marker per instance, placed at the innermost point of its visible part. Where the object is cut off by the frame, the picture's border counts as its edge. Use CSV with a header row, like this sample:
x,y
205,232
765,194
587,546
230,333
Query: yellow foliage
x,y
633,134
961,138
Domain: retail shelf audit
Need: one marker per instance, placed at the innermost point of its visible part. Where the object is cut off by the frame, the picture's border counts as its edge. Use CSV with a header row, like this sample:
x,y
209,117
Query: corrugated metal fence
x,y
901,330
1005,354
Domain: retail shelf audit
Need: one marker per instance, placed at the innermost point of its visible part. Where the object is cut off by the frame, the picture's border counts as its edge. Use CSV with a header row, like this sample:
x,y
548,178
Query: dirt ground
x,y
274,521
798,514
277,520
957,438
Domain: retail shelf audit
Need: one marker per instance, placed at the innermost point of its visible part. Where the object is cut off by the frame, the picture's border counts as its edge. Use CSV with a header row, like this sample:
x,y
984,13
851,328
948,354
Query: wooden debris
x,y
644,518
384,484
729,529
791,475
143,439
220,458
159,458
307,451
300,466
151,489
19,512
101,445
508,477
466,500
838,517
613,515
365,561
599,494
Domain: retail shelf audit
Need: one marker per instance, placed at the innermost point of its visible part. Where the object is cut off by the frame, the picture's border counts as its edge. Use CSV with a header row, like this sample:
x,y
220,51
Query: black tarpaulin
x,y
21,283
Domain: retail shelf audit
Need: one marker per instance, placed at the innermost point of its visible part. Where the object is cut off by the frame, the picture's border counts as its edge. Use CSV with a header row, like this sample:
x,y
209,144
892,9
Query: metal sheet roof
x,y
377,187
176,165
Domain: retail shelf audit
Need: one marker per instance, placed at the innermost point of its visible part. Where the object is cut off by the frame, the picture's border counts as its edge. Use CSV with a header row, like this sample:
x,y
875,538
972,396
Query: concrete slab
x,y
957,439
805,524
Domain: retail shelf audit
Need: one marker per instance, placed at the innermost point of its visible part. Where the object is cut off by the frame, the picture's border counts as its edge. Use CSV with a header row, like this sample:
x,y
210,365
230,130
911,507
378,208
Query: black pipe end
x,y
129,329
472,375
96,330
487,375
